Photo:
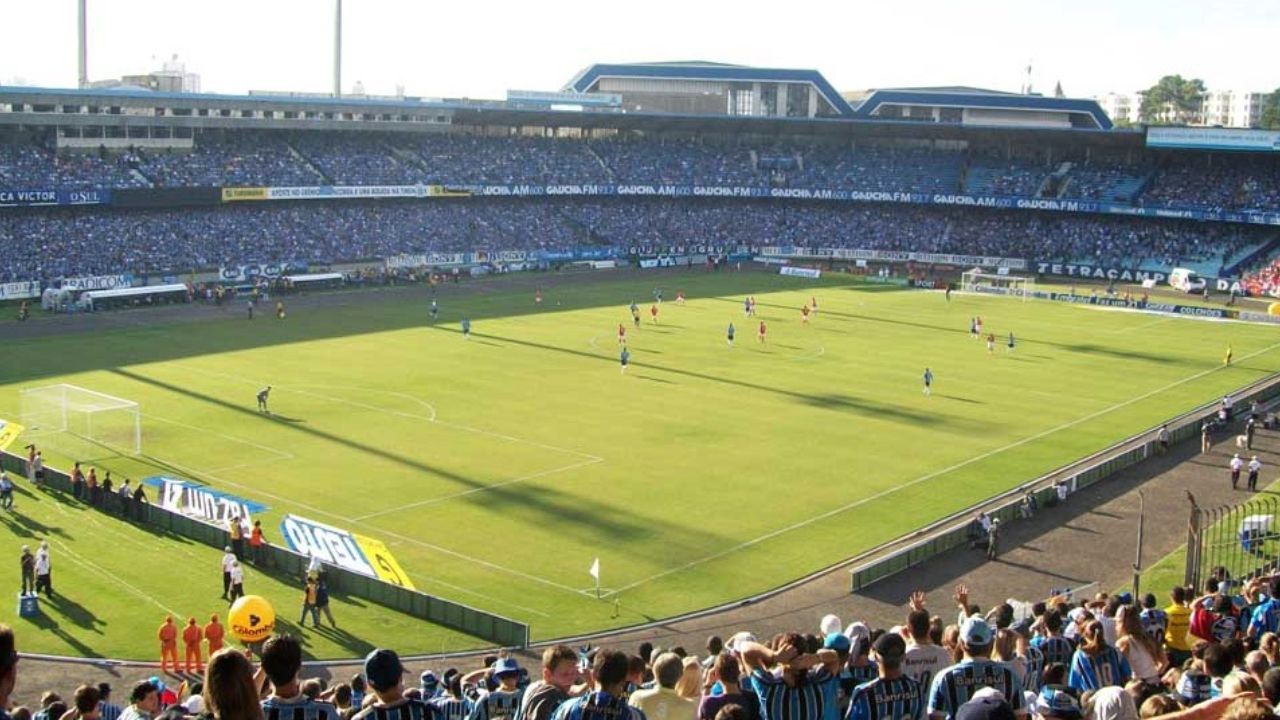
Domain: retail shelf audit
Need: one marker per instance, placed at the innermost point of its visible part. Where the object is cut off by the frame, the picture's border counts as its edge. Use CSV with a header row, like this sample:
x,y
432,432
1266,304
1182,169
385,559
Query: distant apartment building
x,y
1224,108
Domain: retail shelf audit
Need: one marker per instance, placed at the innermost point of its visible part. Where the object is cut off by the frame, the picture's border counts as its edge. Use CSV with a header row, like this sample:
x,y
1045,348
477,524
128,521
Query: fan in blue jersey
x,y
453,704
1031,658
1058,701
502,703
430,685
956,685
1051,643
1266,617
385,675
607,701
856,665
1096,664
559,675
791,684
1155,621
282,663
891,696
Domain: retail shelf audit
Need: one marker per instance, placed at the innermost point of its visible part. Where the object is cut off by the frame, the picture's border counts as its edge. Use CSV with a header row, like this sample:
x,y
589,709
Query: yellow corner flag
x,y
9,431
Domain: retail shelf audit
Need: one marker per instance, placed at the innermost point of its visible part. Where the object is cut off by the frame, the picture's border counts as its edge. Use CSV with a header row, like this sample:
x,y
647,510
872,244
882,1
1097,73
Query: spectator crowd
x,y
1199,656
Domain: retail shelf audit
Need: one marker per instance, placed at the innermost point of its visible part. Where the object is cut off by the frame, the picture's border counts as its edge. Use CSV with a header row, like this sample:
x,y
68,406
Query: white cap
x,y
830,624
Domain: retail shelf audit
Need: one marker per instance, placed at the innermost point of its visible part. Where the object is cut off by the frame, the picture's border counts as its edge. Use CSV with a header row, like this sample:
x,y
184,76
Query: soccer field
x,y
497,468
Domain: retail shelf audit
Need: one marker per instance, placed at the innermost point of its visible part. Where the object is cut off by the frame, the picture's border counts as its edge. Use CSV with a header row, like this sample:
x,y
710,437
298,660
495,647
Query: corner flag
x,y
595,569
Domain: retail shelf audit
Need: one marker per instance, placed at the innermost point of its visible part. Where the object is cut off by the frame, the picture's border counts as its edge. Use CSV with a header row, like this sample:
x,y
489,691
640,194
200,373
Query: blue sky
x,y
480,49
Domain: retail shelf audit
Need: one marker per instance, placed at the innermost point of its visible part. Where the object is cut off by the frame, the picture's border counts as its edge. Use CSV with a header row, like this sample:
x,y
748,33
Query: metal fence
x,y
953,531
1231,541
282,562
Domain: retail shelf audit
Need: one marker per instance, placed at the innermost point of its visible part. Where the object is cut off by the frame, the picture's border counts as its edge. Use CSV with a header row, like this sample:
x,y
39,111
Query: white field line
x,y
280,454
1143,326
340,520
96,569
925,478
486,488
432,418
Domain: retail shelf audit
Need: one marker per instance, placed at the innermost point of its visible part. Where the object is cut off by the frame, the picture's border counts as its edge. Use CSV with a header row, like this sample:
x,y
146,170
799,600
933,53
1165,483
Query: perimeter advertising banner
x,y
9,432
334,546
202,502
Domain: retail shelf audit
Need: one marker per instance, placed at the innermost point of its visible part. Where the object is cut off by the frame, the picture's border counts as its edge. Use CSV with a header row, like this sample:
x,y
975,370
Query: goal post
x,y
81,423
977,280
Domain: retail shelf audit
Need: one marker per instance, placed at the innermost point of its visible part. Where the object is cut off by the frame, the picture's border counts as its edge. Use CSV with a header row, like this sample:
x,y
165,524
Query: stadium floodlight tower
x,y
84,44
337,48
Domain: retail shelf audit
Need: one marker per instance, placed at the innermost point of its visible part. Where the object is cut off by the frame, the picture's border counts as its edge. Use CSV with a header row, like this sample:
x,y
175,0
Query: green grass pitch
x,y
497,468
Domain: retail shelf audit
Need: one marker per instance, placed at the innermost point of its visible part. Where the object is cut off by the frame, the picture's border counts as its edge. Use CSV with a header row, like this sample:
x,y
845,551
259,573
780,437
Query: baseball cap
x,y
975,631
890,647
985,707
1194,687
738,639
830,624
1057,701
505,666
836,641
429,679
382,669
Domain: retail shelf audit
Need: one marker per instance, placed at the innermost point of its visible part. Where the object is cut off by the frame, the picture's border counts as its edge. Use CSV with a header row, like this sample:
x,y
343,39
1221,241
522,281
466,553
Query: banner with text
x,y
9,432
38,197
800,272
361,555
790,251
202,502
19,290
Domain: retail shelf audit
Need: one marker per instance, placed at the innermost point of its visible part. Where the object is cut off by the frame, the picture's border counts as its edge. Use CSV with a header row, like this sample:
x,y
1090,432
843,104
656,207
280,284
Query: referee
x,y
892,696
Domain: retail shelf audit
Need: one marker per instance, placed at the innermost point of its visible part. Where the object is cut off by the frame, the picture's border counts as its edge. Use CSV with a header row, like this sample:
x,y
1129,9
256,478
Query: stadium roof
x,y
970,98
586,80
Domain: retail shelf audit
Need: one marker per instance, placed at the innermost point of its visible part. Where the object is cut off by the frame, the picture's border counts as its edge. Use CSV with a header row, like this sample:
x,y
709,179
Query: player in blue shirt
x,y
892,696
624,358
731,331
466,328
928,381
607,702
955,685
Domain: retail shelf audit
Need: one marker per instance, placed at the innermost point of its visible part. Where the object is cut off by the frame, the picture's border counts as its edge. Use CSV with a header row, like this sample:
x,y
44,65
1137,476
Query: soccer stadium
x,y
928,401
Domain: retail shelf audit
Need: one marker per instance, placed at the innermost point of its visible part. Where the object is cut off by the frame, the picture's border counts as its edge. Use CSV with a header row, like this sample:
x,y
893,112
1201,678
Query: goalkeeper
x,y
263,394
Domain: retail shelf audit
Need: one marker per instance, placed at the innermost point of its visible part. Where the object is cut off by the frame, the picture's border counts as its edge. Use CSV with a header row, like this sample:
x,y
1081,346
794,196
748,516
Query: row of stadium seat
x,y
281,159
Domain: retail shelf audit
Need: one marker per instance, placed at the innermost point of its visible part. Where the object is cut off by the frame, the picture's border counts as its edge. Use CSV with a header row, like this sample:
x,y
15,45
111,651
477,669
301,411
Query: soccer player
x,y
1227,359
622,334
679,297
730,332
653,312
761,331
1010,345
263,395
435,310
978,320
279,309
250,306
892,696
991,342
624,357
804,315
928,381
813,303
753,306
973,328
466,328
746,307
635,318
657,295
537,296
947,293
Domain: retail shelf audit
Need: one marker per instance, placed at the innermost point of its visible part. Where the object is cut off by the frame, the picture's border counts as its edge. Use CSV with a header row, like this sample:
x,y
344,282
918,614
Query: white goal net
x,y
80,423
1013,285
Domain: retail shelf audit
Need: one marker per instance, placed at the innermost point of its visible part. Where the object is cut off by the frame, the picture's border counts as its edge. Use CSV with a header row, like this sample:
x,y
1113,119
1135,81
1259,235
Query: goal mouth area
x,y
80,421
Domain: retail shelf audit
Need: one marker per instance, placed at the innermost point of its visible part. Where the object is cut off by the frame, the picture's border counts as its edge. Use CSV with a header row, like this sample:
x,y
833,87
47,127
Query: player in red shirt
x,y
991,342
622,334
804,315
653,311
760,333
679,297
